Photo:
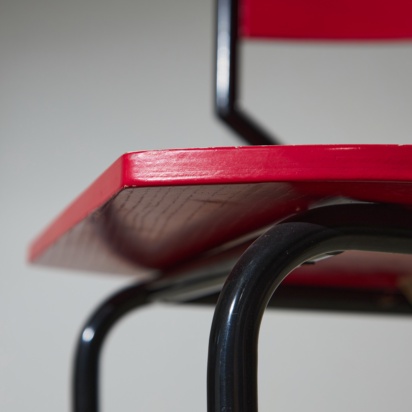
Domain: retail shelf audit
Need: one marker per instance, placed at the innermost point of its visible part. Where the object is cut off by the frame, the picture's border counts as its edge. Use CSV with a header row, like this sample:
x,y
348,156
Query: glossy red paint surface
x,y
159,209
323,20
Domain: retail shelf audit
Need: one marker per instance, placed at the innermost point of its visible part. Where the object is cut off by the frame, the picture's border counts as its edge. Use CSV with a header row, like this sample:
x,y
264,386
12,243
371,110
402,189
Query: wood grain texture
x,y
158,210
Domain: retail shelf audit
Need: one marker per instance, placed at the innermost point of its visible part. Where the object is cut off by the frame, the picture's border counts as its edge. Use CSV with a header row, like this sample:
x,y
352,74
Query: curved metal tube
x,y
226,77
232,362
86,369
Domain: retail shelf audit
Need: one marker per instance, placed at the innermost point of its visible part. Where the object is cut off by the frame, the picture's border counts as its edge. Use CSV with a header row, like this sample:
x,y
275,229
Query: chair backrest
x,y
342,20
326,19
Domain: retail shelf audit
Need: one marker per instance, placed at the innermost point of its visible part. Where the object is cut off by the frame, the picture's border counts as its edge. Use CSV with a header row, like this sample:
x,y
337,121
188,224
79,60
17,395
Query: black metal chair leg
x,y
232,363
86,368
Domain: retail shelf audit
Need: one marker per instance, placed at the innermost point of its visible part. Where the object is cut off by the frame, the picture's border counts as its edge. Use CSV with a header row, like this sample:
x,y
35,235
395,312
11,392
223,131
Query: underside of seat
x,y
166,215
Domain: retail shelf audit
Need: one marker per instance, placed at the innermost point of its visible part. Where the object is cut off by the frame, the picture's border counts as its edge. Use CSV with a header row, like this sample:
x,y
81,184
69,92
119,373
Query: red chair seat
x,y
159,210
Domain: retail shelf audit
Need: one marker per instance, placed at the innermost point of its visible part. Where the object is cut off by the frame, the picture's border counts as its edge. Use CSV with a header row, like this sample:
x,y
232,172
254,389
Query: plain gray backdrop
x,y
81,82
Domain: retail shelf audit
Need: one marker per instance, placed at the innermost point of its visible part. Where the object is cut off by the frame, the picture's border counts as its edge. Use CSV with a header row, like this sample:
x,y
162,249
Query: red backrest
x,y
326,19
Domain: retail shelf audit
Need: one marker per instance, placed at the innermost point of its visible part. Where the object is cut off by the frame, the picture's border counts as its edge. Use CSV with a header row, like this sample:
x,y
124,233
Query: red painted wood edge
x,y
100,191
233,165
250,164
327,20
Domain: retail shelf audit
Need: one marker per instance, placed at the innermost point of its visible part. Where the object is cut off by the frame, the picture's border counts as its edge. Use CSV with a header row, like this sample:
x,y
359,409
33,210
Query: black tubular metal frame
x,y
226,80
86,367
232,362
331,299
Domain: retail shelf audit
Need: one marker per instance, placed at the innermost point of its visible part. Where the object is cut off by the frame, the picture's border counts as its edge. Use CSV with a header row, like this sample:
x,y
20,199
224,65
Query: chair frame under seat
x,y
232,360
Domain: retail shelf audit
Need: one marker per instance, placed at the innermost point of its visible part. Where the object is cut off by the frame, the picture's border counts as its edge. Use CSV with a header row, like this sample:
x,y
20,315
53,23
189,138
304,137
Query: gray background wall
x,y
84,81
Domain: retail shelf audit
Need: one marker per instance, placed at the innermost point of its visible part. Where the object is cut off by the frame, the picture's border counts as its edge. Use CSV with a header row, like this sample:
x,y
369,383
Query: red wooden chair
x,y
180,219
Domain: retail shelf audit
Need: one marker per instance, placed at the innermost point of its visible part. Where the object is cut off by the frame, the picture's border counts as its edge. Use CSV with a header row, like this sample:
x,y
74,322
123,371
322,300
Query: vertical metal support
x,y
232,362
93,335
227,63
